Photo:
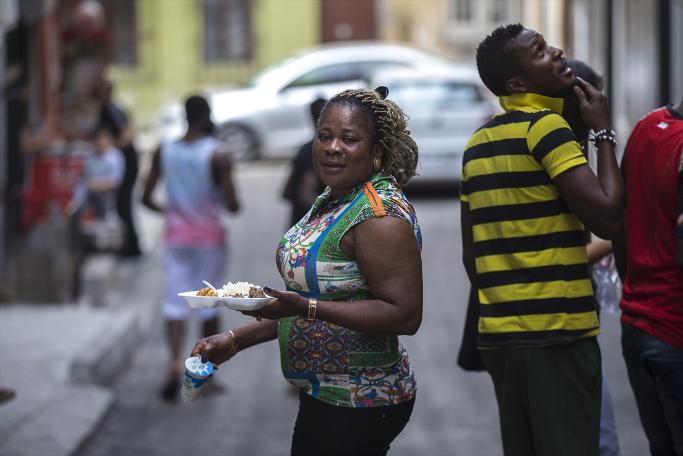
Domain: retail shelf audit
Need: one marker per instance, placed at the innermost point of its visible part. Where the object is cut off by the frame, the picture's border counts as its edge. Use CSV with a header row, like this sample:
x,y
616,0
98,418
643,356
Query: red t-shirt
x,y
653,287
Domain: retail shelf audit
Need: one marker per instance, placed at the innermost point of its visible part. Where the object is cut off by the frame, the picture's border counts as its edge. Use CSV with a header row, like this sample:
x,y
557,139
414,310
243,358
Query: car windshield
x,y
267,72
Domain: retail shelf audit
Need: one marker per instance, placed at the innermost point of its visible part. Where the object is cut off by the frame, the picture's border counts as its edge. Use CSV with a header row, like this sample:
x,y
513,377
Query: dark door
x,y
348,20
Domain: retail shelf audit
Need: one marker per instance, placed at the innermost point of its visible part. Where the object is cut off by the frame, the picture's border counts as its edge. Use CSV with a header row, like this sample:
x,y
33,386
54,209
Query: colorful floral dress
x,y
337,365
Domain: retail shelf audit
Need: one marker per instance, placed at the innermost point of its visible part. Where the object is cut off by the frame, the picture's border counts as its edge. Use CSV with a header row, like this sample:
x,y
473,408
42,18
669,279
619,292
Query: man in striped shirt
x,y
527,197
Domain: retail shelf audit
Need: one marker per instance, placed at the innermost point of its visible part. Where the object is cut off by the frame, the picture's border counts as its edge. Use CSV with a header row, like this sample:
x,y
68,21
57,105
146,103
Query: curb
x,y
56,413
107,355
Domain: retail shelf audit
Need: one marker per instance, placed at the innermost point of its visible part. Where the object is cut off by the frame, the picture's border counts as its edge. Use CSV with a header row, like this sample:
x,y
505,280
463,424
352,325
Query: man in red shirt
x,y
650,260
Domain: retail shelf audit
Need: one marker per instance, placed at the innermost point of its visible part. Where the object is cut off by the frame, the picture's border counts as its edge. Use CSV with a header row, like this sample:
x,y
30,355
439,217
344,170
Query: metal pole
x,y
609,27
664,46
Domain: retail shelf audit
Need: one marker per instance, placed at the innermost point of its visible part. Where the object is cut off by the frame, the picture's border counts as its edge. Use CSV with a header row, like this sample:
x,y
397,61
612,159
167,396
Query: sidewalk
x,y
60,359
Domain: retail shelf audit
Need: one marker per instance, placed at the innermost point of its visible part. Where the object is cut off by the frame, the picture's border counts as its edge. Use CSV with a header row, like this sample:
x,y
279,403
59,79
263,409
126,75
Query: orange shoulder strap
x,y
373,198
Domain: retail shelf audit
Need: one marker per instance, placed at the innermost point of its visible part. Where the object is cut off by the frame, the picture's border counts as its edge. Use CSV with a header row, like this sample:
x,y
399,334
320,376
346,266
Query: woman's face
x,y
343,148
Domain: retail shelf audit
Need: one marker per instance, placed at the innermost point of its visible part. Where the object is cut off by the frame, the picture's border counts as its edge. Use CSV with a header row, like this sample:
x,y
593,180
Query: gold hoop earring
x,y
377,163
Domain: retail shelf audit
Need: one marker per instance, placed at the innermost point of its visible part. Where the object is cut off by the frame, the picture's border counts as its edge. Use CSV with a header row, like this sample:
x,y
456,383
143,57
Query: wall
x,y
411,22
170,56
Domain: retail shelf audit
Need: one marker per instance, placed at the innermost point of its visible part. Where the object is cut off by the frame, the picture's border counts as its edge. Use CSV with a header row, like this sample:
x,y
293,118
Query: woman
x,y
353,273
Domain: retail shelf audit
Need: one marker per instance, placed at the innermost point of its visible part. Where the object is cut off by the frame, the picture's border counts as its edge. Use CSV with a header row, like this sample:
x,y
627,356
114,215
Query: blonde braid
x,y
398,149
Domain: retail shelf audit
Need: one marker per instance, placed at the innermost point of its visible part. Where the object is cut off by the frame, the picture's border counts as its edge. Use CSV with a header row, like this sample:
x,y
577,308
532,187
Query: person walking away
x,y
353,273
303,185
199,183
527,197
117,120
649,253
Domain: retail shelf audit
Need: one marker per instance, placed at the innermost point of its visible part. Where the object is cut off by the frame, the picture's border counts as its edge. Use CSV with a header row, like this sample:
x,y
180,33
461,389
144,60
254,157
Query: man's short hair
x,y
196,108
497,61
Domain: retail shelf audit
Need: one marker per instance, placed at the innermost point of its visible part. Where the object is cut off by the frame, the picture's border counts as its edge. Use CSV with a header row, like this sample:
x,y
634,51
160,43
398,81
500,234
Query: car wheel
x,y
240,141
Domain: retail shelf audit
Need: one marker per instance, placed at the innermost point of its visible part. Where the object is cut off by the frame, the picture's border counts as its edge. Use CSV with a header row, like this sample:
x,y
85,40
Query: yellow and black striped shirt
x,y
530,250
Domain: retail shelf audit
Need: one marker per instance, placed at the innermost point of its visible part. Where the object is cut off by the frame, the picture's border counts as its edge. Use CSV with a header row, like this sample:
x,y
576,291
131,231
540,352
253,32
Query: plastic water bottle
x,y
608,285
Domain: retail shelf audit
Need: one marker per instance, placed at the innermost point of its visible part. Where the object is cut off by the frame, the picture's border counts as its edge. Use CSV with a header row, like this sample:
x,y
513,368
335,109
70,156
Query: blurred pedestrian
x,y
353,272
596,250
93,206
111,114
303,185
198,173
104,171
527,192
470,359
649,255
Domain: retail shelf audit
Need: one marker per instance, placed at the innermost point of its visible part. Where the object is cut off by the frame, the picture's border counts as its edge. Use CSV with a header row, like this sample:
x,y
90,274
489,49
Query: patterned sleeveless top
x,y
337,365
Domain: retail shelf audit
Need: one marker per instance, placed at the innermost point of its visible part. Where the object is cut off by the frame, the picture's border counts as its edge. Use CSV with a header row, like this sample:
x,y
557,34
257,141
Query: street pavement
x,y
61,358
455,411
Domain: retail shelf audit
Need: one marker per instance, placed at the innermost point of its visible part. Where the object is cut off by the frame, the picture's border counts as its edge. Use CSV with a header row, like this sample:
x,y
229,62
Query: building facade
x,y
184,46
636,44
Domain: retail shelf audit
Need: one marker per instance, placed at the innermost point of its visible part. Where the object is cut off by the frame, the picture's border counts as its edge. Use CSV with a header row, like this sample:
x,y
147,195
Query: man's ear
x,y
516,85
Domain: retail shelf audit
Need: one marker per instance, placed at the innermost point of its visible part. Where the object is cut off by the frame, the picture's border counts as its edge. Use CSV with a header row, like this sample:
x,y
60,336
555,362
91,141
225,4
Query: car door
x,y
443,115
290,121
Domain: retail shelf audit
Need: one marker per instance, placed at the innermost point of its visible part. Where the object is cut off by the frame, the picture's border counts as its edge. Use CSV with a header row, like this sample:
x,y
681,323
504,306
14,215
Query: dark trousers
x,y
548,398
323,429
124,205
655,371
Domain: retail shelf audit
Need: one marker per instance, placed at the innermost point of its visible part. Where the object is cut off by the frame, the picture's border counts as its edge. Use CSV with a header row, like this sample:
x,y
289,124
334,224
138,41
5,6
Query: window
x,y
329,74
429,95
122,24
226,30
484,13
497,11
463,10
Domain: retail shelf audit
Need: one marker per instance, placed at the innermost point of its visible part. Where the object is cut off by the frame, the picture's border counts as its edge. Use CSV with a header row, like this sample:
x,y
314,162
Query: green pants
x,y
548,398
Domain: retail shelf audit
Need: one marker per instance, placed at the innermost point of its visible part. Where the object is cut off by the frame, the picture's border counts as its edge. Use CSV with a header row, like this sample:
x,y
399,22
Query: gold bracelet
x,y
235,348
312,308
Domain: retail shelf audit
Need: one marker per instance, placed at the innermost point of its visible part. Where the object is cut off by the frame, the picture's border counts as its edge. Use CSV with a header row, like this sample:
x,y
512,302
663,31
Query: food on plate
x,y
234,290
256,292
207,291
241,290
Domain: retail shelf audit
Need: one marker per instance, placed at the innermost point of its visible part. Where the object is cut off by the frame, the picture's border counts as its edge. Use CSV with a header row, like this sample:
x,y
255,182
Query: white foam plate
x,y
209,302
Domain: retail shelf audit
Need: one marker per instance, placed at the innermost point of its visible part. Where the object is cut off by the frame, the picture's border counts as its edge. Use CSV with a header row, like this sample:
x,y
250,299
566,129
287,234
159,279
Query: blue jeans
x,y
609,444
655,370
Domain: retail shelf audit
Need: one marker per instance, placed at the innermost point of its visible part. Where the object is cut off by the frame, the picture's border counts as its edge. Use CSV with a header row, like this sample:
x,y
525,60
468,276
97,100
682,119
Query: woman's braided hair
x,y
390,132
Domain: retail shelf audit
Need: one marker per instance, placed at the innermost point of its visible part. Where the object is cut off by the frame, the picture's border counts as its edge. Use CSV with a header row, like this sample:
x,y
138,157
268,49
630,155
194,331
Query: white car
x,y
271,118
445,106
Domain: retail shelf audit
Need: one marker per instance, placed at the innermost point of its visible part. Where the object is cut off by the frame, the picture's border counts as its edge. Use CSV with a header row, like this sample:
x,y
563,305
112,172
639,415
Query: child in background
x,y
103,173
